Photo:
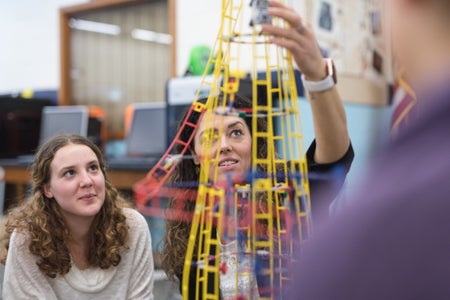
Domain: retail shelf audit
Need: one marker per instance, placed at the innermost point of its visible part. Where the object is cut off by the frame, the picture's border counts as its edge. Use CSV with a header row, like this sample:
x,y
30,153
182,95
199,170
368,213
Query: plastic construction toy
x,y
266,212
259,12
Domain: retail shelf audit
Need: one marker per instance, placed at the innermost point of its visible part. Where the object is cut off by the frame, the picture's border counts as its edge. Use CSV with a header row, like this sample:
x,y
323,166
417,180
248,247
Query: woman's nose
x,y
225,145
85,180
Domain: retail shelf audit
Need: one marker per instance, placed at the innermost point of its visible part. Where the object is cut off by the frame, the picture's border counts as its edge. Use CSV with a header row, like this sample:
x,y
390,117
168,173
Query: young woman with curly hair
x,y
235,146
76,237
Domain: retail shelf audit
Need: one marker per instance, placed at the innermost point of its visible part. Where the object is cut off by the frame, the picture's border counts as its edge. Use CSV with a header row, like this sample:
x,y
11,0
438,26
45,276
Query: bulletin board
x,y
351,32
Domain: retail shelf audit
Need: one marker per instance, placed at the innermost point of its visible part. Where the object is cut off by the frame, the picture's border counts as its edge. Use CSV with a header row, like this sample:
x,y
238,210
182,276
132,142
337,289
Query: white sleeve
x,y
141,280
22,278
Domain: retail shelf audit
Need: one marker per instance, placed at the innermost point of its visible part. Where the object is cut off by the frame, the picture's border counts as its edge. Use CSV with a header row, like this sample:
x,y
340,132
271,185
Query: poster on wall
x,y
351,32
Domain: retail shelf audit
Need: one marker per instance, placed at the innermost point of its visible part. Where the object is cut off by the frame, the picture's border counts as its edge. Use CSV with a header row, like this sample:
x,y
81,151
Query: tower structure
x,y
267,211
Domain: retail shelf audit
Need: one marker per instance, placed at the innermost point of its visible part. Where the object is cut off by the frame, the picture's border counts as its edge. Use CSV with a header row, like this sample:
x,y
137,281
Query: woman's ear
x,y
47,191
195,157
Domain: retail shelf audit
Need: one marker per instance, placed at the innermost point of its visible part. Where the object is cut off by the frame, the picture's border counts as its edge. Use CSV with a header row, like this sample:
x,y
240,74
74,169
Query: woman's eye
x,y
93,168
205,139
236,132
69,173
208,138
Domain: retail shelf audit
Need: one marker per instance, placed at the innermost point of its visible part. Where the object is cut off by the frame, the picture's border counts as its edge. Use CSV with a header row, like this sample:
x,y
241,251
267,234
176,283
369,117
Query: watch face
x,y
333,67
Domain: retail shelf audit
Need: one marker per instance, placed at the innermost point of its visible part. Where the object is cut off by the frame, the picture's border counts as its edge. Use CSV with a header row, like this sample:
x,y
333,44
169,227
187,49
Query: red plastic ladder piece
x,y
149,188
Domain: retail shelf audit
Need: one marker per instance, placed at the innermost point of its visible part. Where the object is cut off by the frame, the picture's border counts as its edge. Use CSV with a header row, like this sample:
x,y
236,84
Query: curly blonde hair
x,y
46,228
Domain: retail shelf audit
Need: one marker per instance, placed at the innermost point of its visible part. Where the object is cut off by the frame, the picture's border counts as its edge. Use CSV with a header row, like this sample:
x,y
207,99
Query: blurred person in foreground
x,y
394,243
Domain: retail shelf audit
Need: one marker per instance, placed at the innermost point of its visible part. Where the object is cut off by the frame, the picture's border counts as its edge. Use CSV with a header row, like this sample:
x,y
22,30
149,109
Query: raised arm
x,y
330,124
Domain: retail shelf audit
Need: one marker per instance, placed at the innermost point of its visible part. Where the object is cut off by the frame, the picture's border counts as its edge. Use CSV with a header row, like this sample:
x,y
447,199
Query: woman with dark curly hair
x,y
234,158
76,237
329,154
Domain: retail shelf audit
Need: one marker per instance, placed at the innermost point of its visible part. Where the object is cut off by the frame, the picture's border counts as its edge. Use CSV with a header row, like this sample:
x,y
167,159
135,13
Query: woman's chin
x,y
230,177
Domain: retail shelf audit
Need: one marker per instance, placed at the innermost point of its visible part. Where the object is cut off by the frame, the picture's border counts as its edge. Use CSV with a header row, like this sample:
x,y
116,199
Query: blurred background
x,y
121,59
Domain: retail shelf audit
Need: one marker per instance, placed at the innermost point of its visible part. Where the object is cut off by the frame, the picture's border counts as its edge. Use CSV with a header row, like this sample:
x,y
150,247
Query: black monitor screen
x,y
20,122
174,115
148,132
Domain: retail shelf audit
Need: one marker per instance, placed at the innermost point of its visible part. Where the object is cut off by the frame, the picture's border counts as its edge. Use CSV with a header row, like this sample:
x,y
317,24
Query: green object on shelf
x,y
198,60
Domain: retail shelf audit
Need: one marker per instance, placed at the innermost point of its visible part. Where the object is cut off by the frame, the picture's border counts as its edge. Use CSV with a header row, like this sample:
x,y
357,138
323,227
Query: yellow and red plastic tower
x,y
284,213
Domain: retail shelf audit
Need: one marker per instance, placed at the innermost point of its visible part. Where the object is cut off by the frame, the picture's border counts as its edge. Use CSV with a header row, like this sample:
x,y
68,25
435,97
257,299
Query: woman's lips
x,y
88,196
228,162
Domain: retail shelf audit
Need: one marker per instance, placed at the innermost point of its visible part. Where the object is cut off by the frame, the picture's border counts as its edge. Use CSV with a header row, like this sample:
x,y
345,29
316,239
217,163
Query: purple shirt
x,y
394,242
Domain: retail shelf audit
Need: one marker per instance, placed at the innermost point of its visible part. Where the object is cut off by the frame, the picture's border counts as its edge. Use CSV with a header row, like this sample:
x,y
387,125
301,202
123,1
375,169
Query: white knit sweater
x,y
131,279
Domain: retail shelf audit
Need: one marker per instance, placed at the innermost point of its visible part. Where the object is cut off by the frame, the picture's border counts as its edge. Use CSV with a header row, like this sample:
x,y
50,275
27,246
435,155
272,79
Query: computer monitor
x,y
63,119
180,93
20,122
148,132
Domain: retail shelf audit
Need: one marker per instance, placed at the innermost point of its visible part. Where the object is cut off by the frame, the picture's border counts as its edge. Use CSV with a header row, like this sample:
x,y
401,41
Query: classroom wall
x,y
369,130
29,43
198,22
29,39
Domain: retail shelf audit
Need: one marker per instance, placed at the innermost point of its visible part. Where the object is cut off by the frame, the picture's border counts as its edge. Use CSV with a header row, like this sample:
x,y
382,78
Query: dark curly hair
x,y
44,224
178,224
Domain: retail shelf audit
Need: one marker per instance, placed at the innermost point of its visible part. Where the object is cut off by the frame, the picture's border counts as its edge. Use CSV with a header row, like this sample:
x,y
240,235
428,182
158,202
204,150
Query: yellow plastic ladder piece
x,y
210,214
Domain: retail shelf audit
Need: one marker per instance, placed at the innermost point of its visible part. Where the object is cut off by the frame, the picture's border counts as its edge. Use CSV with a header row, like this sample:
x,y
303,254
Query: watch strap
x,y
322,85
